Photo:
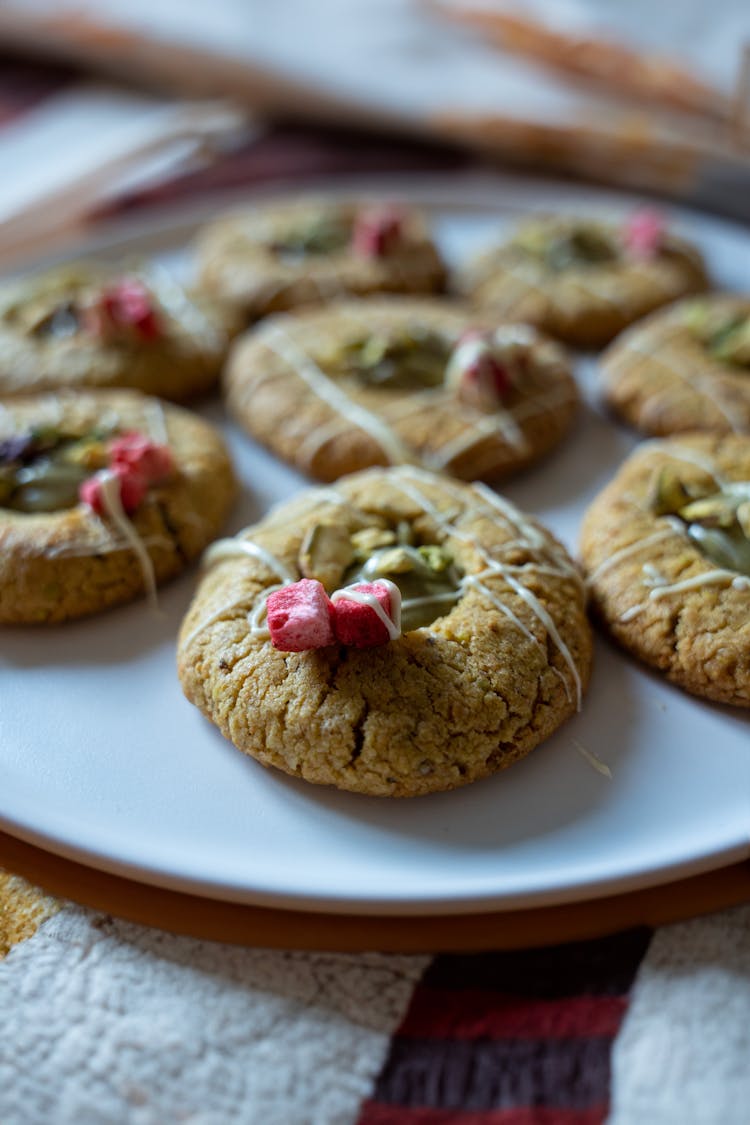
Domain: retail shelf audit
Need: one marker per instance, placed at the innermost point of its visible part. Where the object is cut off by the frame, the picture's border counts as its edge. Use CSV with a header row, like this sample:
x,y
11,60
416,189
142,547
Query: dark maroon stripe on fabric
x,y
471,1014
374,1113
496,1074
604,967
517,1038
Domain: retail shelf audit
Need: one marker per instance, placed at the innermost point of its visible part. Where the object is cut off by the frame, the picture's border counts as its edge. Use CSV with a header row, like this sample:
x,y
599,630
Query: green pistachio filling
x,y
426,575
320,234
42,470
725,334
409,359
582,245
717,522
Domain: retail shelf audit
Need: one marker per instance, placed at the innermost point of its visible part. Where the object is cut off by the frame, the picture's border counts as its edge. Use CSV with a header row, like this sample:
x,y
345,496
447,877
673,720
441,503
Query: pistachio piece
x,y
743,517
668,492
582,244
403,360
726,548
47,485
322,233
732,345
720,526
405,532
396,560
435,557
369,539
427,593
7,483
325,554
712,511
725,333
695,316
89,453
532,240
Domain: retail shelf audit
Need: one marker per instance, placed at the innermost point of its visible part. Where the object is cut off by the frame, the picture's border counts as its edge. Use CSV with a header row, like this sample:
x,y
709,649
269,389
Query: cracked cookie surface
x,y
686,367
271,258
572,278
72,328
66,561
323,388
666,547
447,703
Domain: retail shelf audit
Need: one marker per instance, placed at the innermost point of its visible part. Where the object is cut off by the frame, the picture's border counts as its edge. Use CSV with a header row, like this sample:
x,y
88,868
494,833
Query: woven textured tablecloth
x,y
103,1022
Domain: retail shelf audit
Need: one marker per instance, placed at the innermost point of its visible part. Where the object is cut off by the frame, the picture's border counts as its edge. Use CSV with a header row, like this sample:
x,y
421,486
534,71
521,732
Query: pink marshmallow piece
x,y
300,617
377,231
644,232
357,624
133,488
477,375
138,453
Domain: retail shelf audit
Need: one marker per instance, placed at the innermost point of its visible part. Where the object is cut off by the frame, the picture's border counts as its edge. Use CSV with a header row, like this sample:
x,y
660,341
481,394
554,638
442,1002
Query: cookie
x,y
103,495
87,326
666,547
686,367
282,255
400,380
581,280
396,635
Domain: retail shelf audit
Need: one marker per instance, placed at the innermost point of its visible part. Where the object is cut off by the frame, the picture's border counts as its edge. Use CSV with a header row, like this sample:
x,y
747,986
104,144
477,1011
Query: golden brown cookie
x,y
86,325
686,367
667,550
282,255
582,280
491,654
397,380
102,496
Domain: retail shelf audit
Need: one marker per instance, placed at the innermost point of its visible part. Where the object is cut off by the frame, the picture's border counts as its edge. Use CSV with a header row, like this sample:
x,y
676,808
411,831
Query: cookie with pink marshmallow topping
x,y
397,635
85,325
382,380
308,251
583,280
103,496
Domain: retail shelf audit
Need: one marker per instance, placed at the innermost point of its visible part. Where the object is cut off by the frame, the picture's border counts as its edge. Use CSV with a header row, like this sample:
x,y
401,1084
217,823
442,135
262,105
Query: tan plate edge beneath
x,y
266,927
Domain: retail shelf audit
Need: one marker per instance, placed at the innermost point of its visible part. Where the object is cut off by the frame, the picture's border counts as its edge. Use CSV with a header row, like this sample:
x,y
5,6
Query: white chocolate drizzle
x,y
280,341
233,548
716,577
156,422
110,493
631,550
703,384
177,304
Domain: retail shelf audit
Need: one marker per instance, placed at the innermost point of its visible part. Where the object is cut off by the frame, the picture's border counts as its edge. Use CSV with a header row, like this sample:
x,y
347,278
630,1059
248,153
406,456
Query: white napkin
x,y
88,144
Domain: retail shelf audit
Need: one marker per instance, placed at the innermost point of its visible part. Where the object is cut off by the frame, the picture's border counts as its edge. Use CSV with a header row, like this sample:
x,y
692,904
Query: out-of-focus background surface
x,y
630,93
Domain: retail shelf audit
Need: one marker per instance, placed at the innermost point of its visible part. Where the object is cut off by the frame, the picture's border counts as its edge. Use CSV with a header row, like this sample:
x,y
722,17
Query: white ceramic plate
x,y
102,760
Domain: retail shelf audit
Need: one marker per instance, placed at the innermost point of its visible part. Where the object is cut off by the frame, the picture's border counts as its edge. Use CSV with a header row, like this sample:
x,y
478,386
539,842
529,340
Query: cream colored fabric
x,y
106,1022
683,1053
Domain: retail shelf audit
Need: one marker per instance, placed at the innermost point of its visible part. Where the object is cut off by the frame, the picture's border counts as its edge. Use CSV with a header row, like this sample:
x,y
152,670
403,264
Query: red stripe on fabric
x,y
455,1014
378,1113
